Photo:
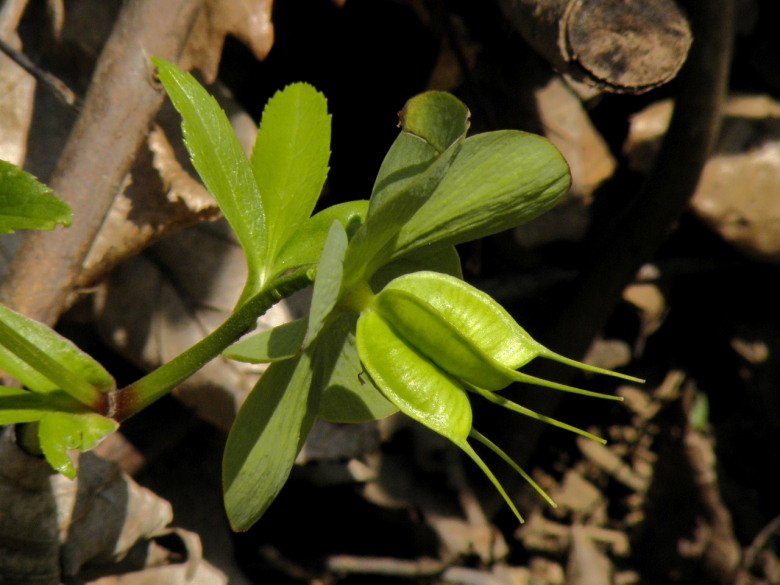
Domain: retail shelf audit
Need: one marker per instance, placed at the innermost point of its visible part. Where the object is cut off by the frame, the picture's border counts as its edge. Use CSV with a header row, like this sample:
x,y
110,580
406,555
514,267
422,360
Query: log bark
x,y
614,45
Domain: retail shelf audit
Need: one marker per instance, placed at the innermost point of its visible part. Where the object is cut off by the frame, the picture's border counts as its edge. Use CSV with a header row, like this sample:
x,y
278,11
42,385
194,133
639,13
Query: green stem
x,y
131,399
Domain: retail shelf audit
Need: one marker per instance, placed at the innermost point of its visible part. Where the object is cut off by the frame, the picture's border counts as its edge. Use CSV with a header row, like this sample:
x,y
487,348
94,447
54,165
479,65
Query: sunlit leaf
x,y
25,203
290,159
499,180
222,165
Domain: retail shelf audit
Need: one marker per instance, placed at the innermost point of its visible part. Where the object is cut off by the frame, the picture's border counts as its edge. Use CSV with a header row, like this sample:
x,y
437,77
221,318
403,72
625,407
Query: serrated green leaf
x,y
327,285
267,435
305,246
272,345
348,394
26,203
290,159
499,180
44,361
222,165
59,432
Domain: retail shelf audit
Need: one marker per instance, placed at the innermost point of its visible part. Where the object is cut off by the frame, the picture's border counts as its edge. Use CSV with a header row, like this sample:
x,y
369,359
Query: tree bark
x,y
118,110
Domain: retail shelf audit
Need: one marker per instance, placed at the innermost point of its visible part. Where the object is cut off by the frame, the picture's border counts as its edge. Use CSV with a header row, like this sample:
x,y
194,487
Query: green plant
x,y
25,203
391,327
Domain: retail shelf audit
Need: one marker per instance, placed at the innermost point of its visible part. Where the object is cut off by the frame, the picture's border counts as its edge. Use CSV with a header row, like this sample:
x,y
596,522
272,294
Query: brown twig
x,y
118,110
58,87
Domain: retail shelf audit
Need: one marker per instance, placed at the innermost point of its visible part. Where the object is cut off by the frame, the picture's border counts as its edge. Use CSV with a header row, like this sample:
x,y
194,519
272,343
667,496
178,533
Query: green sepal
x,y
498,181
408,176
26,203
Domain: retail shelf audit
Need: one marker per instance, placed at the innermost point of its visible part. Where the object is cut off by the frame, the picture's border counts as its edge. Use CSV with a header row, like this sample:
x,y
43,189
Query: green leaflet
x,y
430,123
304,247
62,382
20,406
25,203
348,393
272,345
290,159
222,165
409,175
327,285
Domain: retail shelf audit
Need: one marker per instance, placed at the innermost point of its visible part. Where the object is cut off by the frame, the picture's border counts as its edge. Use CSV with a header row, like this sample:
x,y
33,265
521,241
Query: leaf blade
x,y
290,159
222,165
26,203
266,436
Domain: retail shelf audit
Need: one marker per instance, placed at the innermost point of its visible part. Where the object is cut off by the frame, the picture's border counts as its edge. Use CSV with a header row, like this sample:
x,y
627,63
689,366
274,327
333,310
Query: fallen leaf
x,y
247,20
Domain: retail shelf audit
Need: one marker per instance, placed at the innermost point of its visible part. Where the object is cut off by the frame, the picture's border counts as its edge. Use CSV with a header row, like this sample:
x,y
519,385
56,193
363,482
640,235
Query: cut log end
x,y
626,46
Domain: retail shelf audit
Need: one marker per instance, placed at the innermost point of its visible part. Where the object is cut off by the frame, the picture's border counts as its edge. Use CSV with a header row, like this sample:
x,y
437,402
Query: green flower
x,y
427,339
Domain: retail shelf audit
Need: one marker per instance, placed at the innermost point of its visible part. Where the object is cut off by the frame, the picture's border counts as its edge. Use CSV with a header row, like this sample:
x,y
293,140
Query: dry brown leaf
x,y
50,525
17,88
587,565
736,195
247,20
161,199
567,125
